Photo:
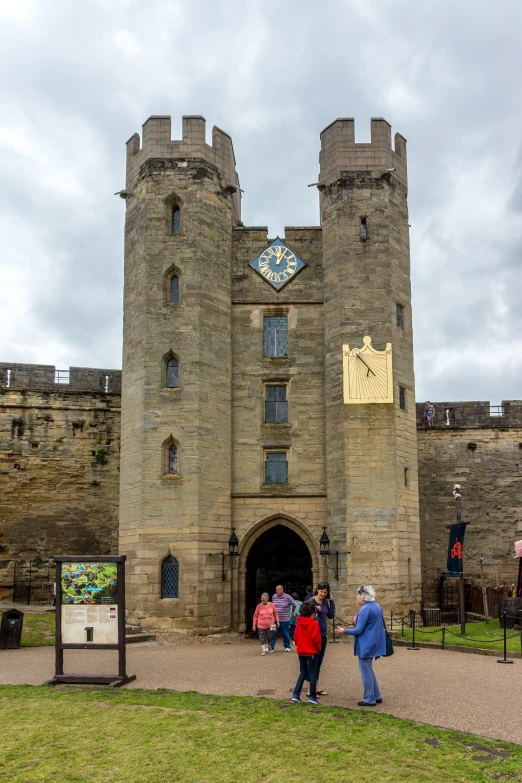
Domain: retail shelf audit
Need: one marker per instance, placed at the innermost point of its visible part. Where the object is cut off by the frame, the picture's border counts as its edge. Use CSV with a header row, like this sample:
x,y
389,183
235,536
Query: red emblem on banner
x,y
457,550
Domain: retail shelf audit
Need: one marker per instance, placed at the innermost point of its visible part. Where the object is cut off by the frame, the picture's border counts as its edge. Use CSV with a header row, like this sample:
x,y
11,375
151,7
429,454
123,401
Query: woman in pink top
x,y
265,621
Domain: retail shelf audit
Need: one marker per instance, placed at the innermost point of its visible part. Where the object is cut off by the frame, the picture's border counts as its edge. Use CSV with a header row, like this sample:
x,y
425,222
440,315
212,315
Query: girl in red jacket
x,y
307,638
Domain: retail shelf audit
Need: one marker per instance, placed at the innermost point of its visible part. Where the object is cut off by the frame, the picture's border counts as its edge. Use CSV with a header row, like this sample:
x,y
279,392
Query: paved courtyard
x,y
466,692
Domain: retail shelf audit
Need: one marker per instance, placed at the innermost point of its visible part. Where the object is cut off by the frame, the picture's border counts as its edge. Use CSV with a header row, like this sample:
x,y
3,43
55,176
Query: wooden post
x,y
462,603
484,591
58,606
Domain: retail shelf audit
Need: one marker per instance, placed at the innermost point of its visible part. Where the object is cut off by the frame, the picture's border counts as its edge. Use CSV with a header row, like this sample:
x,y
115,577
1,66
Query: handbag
x,y
273,626
389,642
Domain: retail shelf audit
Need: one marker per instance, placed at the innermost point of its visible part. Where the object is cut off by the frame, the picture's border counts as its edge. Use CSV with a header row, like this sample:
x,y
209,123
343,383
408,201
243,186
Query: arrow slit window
x,y
176,220
399,316
169,577
172,373
174,288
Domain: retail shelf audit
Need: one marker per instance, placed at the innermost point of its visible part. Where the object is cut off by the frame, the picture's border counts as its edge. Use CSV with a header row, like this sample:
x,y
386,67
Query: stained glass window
x,y
169,577
173,460
276,336
276,405
172,373
174,288
276,468
176,220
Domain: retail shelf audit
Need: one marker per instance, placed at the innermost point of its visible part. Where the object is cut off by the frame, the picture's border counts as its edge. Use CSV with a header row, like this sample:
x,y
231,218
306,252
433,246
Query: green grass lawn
x,y
38,630
474,631
131,736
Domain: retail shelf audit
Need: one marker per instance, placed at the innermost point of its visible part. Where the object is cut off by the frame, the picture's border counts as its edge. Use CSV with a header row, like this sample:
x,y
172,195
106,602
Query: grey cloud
x,y
79,79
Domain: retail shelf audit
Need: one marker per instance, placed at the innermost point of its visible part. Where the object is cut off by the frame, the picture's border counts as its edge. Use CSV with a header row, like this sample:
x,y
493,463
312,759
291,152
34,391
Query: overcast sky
x,y
79,77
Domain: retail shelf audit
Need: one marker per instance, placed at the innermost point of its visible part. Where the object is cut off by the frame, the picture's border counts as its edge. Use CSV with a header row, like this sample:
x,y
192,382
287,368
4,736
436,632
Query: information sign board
x,y
90,613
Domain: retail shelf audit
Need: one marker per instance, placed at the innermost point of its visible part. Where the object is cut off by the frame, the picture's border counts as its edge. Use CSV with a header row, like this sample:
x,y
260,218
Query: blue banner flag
x,y
456,548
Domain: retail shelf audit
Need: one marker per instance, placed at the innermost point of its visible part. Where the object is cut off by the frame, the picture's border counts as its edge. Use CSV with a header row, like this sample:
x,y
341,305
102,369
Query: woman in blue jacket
x,y
369,642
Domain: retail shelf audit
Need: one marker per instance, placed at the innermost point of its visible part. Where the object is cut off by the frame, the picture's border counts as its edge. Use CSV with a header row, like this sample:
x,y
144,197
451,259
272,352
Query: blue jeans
x,y
284,628
371,689
319,657
307,664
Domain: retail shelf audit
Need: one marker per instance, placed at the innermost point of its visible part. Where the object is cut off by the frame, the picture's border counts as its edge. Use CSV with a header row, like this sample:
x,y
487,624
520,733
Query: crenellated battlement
x,y
156,142
340,153
46,377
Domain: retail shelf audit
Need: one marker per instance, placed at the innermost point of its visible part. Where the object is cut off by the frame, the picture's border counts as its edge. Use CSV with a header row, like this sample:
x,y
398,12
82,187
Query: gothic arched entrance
x,y
278,556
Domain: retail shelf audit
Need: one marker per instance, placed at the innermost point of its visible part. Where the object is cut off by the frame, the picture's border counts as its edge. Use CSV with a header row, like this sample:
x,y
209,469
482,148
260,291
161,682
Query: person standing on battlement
x,y
429,414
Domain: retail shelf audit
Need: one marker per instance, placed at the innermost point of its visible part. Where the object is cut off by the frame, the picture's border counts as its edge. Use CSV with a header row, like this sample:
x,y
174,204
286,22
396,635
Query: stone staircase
x,y
133,635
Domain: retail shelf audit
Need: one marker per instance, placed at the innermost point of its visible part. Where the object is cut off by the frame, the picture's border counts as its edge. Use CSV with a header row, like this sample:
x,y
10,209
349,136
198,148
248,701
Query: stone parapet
x,y
340,153
156,142
475,413
46,377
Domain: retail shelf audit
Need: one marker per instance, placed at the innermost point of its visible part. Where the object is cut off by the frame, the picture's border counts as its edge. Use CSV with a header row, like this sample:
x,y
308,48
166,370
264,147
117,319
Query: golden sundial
x,y
277,264
367,374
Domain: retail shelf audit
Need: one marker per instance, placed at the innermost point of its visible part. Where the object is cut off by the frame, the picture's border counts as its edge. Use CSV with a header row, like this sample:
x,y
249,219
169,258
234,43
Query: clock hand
x,y
279,256
369,368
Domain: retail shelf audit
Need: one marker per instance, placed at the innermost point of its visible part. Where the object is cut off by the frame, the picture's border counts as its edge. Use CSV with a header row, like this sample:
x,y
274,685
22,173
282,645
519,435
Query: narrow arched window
x,y
176,220
169,577
174,288
172,466
172,374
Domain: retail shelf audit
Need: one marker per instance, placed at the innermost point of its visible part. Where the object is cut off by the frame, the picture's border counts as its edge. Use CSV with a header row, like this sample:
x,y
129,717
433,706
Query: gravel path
x,y
470,693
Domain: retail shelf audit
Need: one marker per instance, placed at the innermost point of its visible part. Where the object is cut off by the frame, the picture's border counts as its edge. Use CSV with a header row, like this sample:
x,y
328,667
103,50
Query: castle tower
x,y
182,203
371,448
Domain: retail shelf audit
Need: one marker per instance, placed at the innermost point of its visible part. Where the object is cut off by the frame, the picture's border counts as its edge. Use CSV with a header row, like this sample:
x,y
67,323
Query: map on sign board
x,y
89,583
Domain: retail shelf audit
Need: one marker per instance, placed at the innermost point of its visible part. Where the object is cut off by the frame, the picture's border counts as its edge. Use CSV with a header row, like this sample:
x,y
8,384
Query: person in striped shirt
x,y
283,604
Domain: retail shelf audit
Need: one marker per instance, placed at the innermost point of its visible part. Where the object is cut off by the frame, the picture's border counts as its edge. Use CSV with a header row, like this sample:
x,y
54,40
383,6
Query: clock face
x,y
277,264
367,374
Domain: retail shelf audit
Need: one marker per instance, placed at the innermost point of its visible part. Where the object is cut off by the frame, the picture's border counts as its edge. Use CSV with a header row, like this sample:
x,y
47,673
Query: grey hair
x,y
263,594
366,592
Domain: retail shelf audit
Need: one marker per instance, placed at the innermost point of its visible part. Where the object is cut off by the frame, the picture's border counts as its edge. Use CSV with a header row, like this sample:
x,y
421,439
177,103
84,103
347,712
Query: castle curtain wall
x,y
56,498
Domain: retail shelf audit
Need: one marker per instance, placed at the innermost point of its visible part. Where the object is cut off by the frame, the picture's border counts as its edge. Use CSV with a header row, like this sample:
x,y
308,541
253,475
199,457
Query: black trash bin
x,y
11,629
512,607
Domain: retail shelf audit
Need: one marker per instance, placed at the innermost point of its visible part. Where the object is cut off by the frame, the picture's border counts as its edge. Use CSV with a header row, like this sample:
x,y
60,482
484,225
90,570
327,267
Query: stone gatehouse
x,y
236,413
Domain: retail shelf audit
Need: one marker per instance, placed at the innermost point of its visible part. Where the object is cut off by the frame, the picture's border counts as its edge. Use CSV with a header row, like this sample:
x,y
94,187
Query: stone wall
x,y
59,468
482,453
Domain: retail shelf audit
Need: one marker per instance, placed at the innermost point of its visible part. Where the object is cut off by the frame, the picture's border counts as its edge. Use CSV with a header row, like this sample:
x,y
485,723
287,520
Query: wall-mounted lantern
x,y
324,544
324,551
233,553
